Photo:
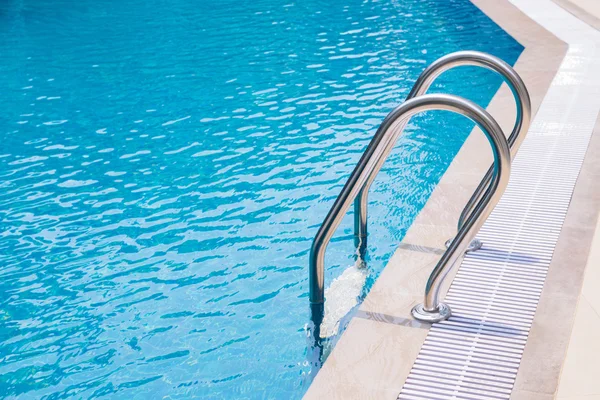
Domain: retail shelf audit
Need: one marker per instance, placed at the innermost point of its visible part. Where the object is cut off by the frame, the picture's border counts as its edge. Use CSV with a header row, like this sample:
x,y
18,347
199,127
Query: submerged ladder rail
x,y
369,165
422,84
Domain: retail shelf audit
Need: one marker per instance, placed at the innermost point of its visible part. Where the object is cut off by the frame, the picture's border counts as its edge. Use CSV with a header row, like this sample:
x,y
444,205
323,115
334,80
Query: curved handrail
x,y
423,83
371,162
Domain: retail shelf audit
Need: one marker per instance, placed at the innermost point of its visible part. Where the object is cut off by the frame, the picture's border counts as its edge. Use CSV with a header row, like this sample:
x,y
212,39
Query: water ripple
x,y
165,165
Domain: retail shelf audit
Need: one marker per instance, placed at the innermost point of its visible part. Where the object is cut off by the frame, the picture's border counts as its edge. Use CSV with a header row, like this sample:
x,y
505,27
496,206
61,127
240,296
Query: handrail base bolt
x,y
475,245
443,312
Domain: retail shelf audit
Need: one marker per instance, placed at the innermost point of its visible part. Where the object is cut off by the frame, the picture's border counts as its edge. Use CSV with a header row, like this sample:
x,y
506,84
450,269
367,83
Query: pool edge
x,y
375,354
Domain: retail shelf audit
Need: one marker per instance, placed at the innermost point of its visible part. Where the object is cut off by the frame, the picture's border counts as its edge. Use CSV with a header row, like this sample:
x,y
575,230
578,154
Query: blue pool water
x,y
164,166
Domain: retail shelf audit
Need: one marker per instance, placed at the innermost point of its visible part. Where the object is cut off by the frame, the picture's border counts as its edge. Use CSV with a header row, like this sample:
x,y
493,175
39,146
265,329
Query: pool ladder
x,y
479,206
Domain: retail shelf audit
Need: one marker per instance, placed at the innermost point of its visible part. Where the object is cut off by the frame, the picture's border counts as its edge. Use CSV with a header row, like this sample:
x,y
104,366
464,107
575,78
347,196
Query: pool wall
x,y
376,353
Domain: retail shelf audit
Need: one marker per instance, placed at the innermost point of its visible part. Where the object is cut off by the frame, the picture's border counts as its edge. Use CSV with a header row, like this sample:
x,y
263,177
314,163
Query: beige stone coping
x,y
586,10
374,356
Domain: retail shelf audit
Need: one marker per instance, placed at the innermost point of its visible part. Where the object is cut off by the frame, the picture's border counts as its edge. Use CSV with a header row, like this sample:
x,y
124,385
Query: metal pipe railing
x,y
423,83
370,163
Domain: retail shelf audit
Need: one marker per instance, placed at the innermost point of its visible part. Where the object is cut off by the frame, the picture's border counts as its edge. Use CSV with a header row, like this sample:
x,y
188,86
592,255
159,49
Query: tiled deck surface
x,y
586,10
581,369
590,6
501,343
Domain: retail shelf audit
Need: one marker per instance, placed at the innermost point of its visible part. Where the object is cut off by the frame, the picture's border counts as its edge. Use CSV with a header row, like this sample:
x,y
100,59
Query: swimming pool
x,y
165,165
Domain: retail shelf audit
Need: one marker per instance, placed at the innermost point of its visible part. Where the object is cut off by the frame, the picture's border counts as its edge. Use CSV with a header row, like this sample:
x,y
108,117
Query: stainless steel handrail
x,y
371,162
423,83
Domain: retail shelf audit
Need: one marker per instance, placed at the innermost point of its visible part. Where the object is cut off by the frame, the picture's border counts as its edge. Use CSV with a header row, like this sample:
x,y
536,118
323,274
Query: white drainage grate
x,y
477,352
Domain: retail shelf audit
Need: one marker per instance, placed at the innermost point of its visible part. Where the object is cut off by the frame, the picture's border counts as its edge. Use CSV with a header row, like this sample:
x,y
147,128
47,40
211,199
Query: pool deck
x,y
581,367
587,11
530,309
